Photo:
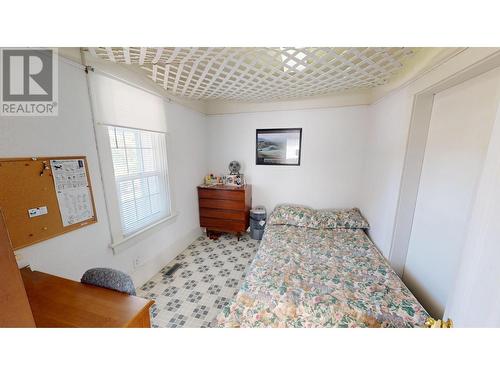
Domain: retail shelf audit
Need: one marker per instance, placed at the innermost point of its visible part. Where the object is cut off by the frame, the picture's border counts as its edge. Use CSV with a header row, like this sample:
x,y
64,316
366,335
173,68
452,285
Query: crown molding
x,y
425,60
342,99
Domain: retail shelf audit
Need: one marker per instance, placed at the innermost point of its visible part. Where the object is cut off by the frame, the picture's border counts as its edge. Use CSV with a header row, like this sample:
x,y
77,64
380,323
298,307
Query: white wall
x,y
460,128
389,124
332,154
387,132
475,299
71,133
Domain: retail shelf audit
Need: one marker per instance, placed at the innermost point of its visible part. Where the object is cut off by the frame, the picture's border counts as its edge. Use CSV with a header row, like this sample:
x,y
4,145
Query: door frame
x,y
423,100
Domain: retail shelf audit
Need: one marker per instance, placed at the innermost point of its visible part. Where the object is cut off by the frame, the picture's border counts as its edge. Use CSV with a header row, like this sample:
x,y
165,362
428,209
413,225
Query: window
x,y
131,130
140,172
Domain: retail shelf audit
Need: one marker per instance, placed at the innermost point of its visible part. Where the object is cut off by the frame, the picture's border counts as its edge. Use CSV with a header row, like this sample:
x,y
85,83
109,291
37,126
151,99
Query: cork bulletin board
x,y
44,197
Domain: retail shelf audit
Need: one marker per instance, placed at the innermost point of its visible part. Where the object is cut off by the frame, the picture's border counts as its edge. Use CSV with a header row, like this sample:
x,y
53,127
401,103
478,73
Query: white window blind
x,y
140,170
118,103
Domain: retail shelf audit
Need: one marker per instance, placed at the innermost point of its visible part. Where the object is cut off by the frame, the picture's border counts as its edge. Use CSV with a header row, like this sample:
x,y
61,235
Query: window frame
x,y
119,240
158,151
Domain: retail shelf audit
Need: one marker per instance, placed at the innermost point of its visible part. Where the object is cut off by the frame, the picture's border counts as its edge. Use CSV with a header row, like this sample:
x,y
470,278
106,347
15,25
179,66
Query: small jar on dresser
x,y
225,208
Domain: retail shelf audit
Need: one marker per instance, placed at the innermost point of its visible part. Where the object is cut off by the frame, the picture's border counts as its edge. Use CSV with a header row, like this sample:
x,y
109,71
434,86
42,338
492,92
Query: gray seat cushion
x,y
110,279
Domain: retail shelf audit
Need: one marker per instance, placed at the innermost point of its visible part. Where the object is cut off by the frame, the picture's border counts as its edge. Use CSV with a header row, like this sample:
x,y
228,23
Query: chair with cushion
x,y
110,279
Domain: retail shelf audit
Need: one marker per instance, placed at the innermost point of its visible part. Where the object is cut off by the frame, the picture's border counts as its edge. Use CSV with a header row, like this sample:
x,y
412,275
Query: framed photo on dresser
x,y
280,146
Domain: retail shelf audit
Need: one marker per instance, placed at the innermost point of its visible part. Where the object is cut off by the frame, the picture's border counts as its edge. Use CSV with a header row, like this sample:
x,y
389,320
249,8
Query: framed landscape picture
x,y
278,146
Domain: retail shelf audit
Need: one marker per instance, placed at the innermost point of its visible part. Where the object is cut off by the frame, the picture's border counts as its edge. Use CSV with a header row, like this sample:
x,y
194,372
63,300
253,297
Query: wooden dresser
x,y
225,208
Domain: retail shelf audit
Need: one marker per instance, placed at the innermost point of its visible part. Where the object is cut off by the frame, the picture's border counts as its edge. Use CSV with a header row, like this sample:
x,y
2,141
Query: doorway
x,y
458,136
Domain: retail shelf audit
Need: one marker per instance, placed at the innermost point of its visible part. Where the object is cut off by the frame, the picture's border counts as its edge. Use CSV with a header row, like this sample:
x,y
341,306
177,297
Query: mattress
x,y
305,277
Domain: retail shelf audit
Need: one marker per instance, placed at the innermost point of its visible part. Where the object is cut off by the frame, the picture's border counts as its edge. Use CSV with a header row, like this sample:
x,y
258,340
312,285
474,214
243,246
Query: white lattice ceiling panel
x,y
260,74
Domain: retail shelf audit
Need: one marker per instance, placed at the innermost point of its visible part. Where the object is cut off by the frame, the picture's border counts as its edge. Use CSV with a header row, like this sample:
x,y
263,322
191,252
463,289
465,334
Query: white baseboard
x,y
153,266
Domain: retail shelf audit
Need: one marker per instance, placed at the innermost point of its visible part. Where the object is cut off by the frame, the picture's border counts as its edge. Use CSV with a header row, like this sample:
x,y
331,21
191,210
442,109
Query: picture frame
x,y
278,146
234,179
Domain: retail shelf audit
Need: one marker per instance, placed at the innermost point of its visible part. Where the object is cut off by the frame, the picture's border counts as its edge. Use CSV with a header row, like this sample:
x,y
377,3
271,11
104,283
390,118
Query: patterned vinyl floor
x,y
210,275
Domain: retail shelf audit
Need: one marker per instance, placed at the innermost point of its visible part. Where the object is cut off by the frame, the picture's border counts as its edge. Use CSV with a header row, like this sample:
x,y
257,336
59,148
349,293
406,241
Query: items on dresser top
x,y
228,179
224,208
234,179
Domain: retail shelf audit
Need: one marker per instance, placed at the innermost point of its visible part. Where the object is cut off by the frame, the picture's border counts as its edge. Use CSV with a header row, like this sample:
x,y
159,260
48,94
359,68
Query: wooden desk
x,y
15,308
59,302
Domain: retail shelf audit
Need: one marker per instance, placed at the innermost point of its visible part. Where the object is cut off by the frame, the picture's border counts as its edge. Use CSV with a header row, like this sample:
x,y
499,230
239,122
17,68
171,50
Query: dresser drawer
x,y
222,214
232,195
222,204
223,225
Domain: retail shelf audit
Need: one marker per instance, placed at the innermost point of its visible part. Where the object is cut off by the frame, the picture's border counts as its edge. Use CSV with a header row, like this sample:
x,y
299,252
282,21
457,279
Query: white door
x,y
459,133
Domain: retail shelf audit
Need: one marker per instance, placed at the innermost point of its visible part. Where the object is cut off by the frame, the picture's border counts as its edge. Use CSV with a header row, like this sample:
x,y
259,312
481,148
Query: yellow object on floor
x,y
433,323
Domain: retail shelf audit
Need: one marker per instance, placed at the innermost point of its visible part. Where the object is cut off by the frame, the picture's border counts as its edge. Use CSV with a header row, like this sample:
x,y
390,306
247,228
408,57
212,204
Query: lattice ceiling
x,y
260,74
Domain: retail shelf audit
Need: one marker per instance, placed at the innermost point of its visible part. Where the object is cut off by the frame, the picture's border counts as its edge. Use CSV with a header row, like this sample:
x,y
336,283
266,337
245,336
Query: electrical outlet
x,y
138,261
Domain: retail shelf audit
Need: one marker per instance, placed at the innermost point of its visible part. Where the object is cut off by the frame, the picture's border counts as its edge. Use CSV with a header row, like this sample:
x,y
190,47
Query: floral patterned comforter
x,y
304,277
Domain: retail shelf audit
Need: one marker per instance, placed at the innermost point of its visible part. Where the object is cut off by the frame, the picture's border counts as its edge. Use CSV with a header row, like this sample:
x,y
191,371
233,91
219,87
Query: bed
x,y
315,275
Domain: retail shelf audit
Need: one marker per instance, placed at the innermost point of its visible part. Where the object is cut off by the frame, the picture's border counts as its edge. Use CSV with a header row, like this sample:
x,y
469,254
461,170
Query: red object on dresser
x,y
225,208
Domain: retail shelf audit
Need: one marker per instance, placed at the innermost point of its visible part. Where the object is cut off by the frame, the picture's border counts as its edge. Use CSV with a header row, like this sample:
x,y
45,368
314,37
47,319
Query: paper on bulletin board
x,y
72,190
